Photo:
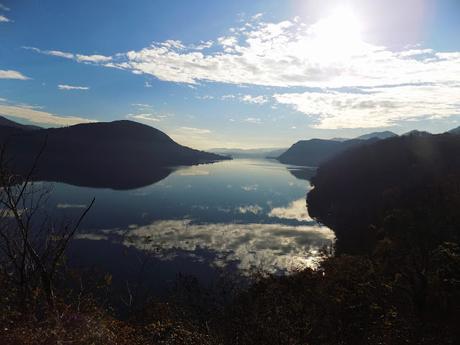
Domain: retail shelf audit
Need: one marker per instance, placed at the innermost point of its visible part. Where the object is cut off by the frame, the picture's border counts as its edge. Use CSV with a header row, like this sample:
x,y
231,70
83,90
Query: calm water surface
x,y
232,216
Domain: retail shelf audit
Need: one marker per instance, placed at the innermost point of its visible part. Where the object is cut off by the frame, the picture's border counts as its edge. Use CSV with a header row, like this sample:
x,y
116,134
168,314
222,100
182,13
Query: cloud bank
x,y
376,107
346,82
35,115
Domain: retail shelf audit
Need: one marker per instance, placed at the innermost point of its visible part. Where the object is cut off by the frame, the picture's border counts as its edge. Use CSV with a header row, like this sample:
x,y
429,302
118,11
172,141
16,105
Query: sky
x,y
241,74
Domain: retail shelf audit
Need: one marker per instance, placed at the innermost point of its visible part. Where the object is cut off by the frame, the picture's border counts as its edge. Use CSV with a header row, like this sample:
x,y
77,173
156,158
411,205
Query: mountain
x,y
339,139
454,130
403,188
313,152
119,154
4,122
249,153
274,153
378,135
302,173
417,133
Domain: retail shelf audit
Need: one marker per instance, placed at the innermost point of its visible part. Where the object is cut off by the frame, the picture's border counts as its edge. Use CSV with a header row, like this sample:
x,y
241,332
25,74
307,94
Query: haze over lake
x,y
234,215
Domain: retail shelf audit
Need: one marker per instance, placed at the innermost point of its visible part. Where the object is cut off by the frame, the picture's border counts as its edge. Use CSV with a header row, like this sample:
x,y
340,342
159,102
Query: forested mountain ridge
x,y
357,191
313,152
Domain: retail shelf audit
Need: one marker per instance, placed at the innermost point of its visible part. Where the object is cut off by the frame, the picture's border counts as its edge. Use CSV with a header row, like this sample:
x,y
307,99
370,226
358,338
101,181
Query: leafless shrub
x,y
32,247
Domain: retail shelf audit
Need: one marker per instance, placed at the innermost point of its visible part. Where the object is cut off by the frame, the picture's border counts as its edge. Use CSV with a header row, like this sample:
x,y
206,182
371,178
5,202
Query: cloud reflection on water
x,y
272,247
296,210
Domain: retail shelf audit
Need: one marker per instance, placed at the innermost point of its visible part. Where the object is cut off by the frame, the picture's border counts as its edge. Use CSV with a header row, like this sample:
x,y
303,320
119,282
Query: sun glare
x,y
340,32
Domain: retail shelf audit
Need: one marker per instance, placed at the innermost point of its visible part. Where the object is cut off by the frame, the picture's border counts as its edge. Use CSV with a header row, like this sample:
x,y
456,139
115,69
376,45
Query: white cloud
x,y
10,74
72,87
254,99
254,120
58,54
148,117
200,138
173,44
329,55
4,19
30,113
377,107
52,52
4,8
226,97
193,131
141,105
146,113
96,59
205,97
285,54
92,58
229,43
203,45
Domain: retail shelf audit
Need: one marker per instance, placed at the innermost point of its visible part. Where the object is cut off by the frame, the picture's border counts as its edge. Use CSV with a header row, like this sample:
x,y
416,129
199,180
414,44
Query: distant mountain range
x,y
314,148
118,154
314,152
250,153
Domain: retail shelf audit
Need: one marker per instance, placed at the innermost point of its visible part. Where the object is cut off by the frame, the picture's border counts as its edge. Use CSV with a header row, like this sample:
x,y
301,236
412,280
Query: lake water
x,y
231,216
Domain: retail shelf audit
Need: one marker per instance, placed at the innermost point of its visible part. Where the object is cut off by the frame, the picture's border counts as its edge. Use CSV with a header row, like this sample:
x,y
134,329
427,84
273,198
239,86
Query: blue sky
x,y
234,73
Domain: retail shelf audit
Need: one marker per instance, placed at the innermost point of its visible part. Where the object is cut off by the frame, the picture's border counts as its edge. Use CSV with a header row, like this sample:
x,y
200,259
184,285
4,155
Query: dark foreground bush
x,y
89,323
348,300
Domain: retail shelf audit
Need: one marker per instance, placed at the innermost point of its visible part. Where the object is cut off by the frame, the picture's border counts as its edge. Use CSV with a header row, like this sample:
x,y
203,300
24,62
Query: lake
x,y
227,217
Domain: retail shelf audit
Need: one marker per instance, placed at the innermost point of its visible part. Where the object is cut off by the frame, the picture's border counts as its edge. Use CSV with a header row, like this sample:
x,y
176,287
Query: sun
x,y
340,32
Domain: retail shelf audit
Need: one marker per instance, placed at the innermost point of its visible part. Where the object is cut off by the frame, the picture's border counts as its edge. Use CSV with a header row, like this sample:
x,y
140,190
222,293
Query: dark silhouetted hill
x,y
313,152
454,131
4,122
378,135
405,189
119,154
416,132
302,173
